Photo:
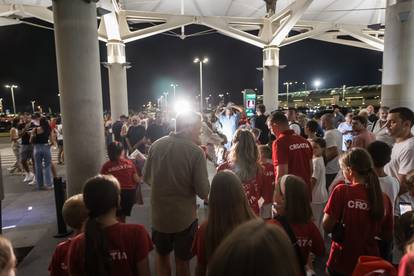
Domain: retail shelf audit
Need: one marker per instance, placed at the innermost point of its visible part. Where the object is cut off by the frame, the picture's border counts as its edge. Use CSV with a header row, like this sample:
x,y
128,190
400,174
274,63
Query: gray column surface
x,y
118,90
271,78
77,52
398,58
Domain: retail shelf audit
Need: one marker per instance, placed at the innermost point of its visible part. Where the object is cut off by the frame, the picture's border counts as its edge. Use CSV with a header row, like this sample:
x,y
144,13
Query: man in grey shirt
x,y
176,170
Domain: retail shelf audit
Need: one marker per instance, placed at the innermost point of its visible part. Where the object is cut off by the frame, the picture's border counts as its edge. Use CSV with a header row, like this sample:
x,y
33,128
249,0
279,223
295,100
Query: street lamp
x,y
204,60
173,85
11,87
317,83
33,106
288,84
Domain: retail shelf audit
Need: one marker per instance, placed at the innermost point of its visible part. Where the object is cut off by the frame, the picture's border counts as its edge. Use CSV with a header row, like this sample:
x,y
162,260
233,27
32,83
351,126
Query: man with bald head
x,y
333,138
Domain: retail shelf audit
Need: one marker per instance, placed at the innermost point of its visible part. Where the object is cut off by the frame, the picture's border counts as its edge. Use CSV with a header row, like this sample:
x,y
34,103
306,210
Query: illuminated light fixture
x,y
182,106
317,83
326,99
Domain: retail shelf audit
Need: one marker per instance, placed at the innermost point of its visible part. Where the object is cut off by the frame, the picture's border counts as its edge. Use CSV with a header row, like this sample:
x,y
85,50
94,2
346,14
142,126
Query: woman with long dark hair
x,y
108,247
294,215
357,215
41,138
228,208
243,160
126,173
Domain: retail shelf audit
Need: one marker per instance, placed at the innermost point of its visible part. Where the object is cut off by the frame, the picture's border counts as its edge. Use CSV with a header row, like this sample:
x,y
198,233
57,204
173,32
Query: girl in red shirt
x,y
126,174
108,247
294,214
243,160
357,215
228,208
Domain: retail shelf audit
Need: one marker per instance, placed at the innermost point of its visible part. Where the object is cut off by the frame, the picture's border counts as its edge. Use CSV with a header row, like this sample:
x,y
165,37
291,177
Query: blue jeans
x,y
43,156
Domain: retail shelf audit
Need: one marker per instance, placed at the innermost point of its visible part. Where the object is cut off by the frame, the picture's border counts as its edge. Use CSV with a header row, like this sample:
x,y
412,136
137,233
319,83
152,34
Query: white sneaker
x,y
33,182
26,177
30,177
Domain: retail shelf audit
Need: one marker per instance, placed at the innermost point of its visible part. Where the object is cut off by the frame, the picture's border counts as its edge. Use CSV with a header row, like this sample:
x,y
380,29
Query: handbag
x,y
338,232
285,225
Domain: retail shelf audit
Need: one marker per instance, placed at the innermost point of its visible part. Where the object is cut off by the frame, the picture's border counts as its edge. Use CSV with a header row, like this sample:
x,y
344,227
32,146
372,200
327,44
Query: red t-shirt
x,y
351,204
123,170
296,152
268,182
308,238
199,245
406,266
252,187
128,244
59,264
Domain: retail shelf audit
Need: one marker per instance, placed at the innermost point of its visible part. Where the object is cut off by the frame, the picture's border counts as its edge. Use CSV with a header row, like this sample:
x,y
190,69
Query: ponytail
x,y
100,195
375,197
97,261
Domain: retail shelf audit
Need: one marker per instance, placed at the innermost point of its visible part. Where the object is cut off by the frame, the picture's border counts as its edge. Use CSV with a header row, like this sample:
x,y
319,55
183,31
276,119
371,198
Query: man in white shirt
x,y
346,129
399,123
379,127
292,116
333,139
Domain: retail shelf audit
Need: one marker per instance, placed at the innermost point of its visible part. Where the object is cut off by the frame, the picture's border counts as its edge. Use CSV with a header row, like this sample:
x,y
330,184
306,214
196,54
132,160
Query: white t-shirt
x,y
402,158
295,127
344,127
381,133
333,138
319,192
390,186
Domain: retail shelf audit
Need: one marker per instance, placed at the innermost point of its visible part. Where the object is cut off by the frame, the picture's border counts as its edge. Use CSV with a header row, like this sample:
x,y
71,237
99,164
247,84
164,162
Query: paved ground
x,y
29,217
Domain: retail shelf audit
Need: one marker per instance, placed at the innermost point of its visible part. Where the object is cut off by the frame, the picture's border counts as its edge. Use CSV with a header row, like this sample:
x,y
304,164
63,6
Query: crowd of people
x,y
32,136
287,185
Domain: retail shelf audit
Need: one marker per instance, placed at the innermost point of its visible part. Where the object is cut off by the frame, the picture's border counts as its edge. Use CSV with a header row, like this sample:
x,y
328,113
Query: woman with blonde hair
x,y
227,209
243,160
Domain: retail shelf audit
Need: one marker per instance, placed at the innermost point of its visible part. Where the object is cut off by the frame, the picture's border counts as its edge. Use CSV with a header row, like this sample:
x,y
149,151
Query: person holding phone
x,y
405,202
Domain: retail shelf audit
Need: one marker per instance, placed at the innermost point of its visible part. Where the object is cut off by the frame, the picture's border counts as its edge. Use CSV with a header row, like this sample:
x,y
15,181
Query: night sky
x,y
28,59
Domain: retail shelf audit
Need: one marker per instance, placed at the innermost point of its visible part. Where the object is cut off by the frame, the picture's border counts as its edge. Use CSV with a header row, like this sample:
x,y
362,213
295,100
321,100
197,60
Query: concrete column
x,y
271,77
118,91
77,52
398,58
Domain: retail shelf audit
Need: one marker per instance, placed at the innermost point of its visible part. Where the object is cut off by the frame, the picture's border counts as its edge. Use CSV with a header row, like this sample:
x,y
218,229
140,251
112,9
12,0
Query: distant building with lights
x,y
346,96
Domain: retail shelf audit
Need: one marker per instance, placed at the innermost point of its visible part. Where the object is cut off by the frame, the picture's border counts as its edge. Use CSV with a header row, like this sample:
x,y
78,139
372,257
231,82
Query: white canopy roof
x,y
362,12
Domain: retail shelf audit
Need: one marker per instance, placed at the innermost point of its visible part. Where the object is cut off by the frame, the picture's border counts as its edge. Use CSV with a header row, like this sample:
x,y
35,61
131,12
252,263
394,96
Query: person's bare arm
x,y
136,178
402,178
143,267
313,183
219,111
281,170
328,223
237,108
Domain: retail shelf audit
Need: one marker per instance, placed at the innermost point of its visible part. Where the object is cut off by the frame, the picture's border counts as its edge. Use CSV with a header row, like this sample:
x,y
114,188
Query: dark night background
x,y
28,59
